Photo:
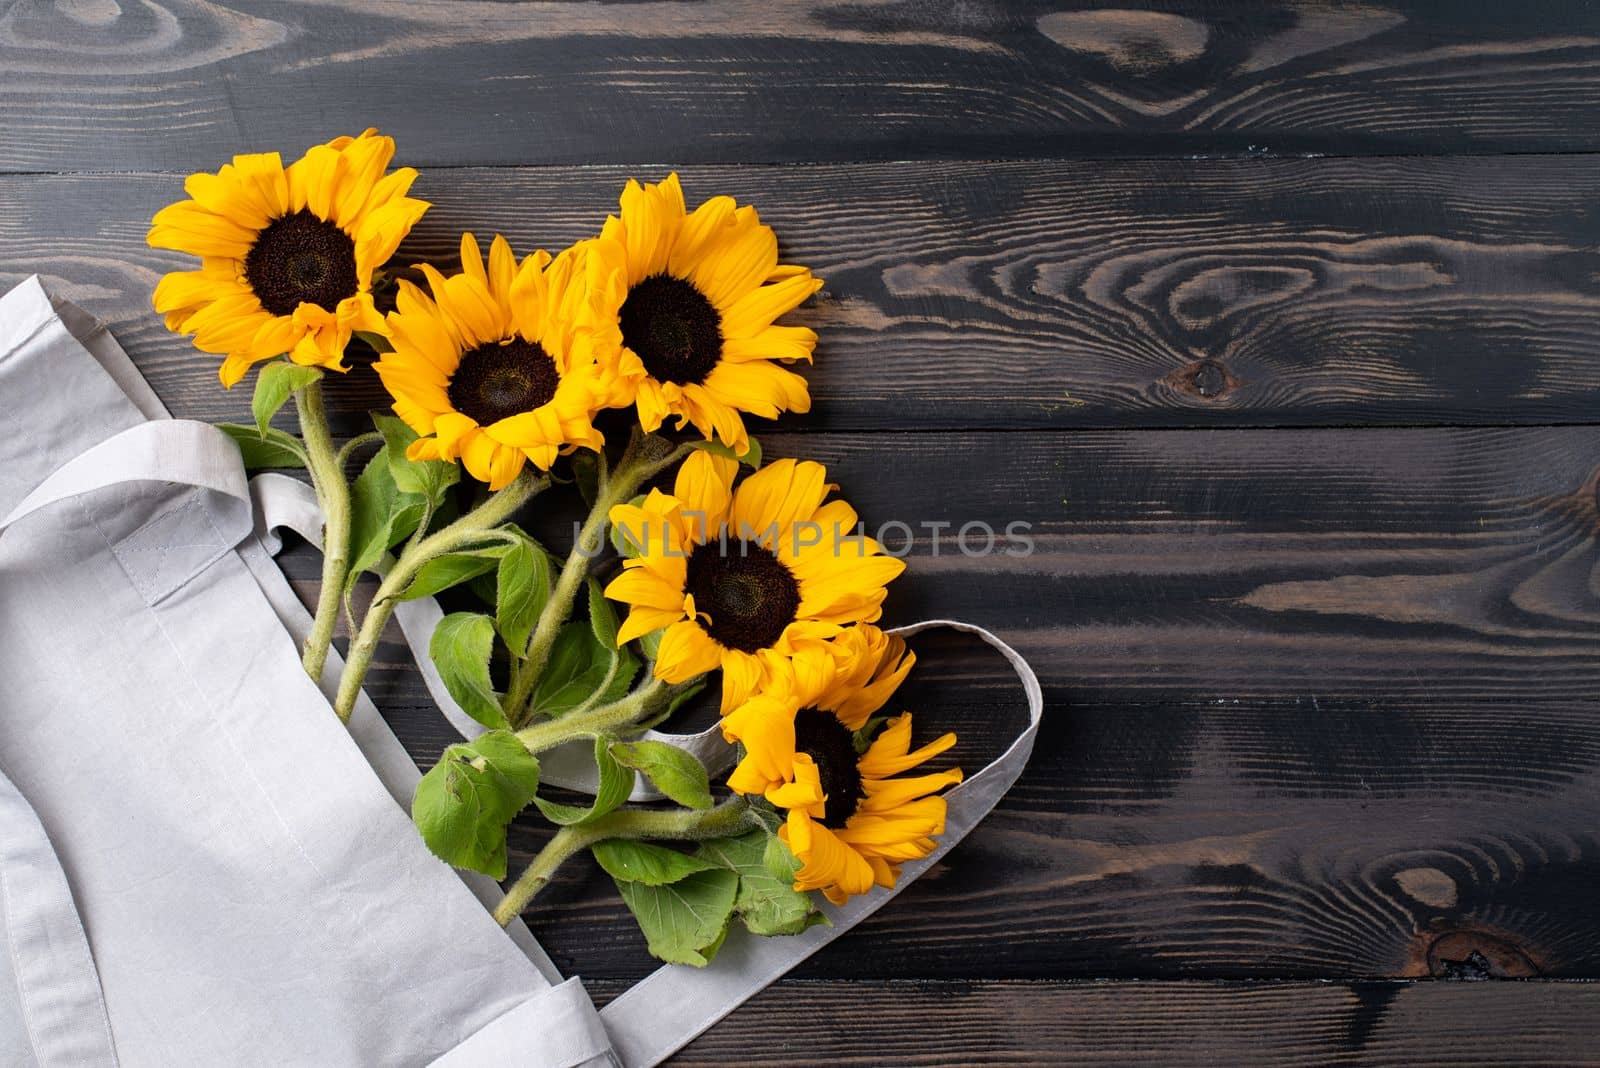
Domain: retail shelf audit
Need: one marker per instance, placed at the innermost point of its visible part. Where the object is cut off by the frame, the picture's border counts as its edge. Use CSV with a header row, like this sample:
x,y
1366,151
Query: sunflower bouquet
x,y
752,573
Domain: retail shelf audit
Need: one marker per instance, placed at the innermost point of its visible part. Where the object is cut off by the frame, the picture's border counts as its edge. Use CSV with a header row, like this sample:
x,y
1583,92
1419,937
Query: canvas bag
x,y
198,863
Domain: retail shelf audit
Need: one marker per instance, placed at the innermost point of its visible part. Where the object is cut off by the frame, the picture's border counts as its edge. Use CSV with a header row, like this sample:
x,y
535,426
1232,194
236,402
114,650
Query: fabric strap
x,y
63,1008
674,1004
667,1009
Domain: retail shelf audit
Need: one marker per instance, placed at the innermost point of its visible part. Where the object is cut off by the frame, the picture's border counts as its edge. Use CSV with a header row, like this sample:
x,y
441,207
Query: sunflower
x,y
686,303
749,579
493,369
849,821
287,254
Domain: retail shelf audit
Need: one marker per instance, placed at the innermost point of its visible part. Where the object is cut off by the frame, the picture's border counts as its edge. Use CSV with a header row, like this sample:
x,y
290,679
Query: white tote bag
x,y
199,865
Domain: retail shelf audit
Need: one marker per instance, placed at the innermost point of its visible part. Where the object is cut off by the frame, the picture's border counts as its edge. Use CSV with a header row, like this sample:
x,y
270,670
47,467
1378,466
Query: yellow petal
x,y
755,311
686,651
704,486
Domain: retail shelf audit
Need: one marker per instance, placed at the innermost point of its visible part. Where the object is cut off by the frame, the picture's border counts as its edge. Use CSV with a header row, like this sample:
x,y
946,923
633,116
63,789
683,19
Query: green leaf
x,y
460,647
271,449
375,341
752,455
462,806
602,617
586,473
616,783
452,569
862,739
380,515
780,860
675,773
641,862
683,922
767,902
522,589
278,381
762,809
577,666
430,478
650,644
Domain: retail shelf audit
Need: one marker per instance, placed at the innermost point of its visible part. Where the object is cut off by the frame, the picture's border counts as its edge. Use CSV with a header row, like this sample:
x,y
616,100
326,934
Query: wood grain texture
x,y
1285,1025
1319,704
96,85
1032,295
1307,566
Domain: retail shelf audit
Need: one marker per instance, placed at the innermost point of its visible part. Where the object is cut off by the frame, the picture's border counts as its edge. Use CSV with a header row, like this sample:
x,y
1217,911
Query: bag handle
x,y
670,1007
57,982
180,451
692,999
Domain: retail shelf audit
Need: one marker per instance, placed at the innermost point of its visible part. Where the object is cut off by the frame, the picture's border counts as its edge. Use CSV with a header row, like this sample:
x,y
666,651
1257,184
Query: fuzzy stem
x,y
641,704
465,531
731,817
333,494
646,456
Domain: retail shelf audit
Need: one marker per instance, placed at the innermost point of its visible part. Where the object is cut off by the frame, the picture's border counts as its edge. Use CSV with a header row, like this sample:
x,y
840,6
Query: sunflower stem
x,y
333,494
646,456
732,817
617,716
470,528
356,443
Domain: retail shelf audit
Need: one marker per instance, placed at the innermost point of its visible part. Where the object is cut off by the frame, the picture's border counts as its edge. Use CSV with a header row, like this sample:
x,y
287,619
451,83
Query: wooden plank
x,y
1313,566
1317,1025
175,82
1259,841
1321,704
1015,295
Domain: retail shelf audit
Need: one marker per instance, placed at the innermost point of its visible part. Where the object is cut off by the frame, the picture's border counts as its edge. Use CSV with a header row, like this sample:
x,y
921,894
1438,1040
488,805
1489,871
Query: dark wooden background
x,y
1279,323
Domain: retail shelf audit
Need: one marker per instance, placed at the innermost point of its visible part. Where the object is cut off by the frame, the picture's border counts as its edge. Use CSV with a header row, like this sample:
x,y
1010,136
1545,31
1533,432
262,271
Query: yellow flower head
x,y
494,369
746,580
286,253
849,821
685,306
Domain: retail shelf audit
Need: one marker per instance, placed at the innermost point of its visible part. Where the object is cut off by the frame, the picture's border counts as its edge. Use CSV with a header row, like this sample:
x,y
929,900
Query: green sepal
x,y
751,457
373,340
862,739
586,473
464,803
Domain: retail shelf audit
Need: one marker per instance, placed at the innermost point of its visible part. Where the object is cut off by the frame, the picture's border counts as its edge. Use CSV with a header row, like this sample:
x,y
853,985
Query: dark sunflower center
x,y
832,747
502,379
300,257
747,591
673,328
